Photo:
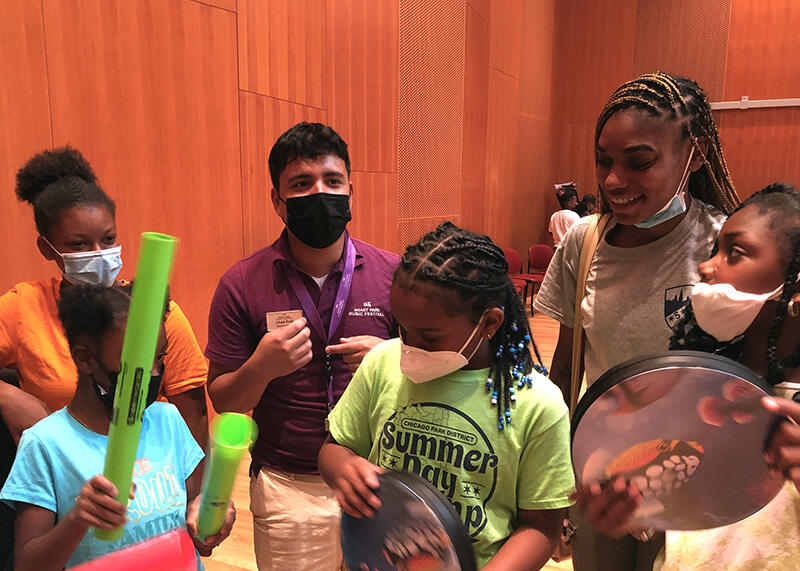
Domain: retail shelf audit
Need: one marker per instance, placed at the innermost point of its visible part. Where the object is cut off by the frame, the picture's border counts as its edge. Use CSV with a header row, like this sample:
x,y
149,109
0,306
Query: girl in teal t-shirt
x,y
458,400
55,485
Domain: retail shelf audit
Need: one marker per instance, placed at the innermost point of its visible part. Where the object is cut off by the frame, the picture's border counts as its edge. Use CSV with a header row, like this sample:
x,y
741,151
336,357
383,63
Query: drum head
x,y
688,428
416,528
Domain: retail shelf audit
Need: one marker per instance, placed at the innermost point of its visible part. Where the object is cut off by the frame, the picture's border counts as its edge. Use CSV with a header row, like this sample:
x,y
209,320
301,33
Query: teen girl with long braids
x,y
663,179
463,362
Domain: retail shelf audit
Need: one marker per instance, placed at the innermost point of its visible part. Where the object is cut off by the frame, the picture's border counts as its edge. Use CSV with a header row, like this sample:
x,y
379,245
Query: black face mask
x,y
107,397
318,219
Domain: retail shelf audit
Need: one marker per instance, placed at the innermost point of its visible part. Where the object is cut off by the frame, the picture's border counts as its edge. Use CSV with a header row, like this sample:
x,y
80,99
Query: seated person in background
x,y
561,220
589,202
56,484
77,229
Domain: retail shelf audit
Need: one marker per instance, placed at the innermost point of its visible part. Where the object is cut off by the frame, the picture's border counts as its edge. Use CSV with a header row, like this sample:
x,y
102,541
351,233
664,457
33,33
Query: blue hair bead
x,y
520,345
508,416
512,350
500,425
527,337
521,383
514,326
494,397
488,384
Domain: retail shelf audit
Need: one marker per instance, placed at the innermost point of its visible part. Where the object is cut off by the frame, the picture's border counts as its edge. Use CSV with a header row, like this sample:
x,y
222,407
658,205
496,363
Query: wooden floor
x,y
237,551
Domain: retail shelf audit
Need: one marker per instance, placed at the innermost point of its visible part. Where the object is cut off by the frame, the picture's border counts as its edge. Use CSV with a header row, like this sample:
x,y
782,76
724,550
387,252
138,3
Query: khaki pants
x,y
295,522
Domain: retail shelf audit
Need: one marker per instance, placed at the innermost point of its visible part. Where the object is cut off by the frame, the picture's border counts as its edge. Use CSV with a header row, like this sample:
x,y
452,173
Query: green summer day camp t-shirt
x,y
446,431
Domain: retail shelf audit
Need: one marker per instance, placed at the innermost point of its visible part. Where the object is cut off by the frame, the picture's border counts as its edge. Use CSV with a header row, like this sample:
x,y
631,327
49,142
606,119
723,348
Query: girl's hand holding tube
x,y
206,546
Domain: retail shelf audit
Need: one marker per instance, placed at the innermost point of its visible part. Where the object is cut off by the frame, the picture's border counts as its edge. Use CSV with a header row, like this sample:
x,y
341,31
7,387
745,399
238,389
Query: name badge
x,y
278,319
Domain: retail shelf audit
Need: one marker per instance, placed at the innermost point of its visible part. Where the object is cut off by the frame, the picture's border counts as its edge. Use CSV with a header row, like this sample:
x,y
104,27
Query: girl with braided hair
x,y
747,309
459,400
665,187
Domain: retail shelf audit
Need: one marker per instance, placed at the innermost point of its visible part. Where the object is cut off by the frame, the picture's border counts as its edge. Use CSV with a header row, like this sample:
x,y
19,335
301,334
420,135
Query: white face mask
x,y
676,206
724,312
97,267
422,366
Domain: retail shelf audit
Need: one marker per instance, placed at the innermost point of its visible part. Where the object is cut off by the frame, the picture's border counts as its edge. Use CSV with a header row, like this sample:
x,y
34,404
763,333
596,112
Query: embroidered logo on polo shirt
x,y
366,310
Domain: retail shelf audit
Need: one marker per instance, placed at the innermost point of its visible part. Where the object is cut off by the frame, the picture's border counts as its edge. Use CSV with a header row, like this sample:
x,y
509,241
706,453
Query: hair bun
x,y
48,167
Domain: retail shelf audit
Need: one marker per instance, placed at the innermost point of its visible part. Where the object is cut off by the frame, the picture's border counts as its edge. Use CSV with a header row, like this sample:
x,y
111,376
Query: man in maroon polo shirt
x,y
287,327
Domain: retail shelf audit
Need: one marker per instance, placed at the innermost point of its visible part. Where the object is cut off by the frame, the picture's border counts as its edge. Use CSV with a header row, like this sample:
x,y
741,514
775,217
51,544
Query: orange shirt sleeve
x,y
32,341
185,367
9,321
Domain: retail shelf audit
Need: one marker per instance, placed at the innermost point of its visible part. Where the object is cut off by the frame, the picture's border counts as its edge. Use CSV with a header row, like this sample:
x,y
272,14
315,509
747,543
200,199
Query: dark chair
x,y
514,269
539,256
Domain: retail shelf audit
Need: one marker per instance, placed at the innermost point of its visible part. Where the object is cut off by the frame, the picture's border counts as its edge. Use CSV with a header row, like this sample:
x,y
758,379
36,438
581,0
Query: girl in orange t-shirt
x,y
75,219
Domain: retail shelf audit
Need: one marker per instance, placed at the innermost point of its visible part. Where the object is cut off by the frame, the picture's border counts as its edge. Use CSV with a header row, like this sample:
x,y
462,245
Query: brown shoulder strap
x,y
597,226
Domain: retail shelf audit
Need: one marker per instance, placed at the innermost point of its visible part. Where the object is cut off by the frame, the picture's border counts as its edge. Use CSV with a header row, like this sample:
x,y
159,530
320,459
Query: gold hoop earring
x,y
793,309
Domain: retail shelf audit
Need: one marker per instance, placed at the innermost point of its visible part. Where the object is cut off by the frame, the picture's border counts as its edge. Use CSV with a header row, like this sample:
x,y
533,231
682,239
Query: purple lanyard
x,y
312,314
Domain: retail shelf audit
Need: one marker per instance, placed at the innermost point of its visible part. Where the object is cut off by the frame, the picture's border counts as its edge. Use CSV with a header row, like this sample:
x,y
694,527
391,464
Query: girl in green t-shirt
x,y
462,365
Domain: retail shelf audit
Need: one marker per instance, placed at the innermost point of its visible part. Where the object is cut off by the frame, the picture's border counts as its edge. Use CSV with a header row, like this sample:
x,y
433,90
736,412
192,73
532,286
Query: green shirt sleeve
x,y
545,474
350,418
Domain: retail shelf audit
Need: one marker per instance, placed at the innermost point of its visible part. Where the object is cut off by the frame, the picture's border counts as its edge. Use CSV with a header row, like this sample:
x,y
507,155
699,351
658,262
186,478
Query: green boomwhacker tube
x,y
231,435
146,312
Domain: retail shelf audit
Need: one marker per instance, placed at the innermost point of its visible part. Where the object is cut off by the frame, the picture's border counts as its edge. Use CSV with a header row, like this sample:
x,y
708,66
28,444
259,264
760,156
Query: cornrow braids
x,y
679,99
471,273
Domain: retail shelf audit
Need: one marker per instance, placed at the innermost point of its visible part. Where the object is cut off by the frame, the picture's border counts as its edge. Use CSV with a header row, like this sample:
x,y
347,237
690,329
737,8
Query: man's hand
x,y
285,350
206,546
783,452
353,349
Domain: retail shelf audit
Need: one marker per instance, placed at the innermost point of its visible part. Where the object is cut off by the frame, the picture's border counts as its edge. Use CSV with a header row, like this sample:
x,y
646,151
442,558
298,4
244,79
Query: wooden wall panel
x,y
482,8
761,145
536,144
263,119
229,5
361,91
594,50
476,109
282,49
25,120
506,30
147,90
763,43
502,157
374,209
430,109
683,37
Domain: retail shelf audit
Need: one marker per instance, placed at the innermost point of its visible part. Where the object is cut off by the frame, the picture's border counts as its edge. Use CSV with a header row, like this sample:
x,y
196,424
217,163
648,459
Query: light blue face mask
x,y
96,267
674,207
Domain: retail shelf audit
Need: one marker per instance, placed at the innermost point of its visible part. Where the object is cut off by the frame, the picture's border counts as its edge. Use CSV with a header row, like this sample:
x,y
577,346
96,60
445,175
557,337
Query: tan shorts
x,y
295,522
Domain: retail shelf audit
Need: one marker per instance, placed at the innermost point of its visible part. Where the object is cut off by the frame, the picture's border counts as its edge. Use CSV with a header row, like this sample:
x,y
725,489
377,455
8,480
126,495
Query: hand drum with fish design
x,y
415,529
688,429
